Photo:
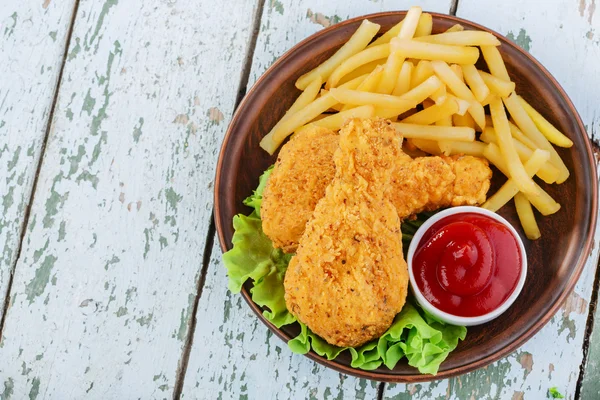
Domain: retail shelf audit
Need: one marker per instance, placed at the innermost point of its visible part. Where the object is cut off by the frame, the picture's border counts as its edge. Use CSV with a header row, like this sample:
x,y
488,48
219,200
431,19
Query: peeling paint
x,y
37,285
321,19
522,39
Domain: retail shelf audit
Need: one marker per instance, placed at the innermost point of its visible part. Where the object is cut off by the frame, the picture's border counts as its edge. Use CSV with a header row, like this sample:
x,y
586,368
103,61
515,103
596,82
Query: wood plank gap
x,y
210,237
187,349
38,168
589,326
380,391
453,7
245,75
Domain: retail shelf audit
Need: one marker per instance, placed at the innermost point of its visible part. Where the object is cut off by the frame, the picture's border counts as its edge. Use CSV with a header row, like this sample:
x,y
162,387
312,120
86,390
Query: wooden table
x,y
111,118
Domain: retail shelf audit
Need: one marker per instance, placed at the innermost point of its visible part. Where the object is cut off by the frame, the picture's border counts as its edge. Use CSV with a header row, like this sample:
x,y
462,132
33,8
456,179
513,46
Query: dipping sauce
x,y
467,264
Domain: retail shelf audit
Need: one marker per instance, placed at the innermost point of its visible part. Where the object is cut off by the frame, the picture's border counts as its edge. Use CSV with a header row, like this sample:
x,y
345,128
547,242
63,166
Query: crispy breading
x,y
303,170
348,278
305,167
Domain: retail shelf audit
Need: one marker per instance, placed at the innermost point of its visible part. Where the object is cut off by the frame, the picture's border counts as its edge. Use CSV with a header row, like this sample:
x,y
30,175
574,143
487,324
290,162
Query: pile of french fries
x,y
429,86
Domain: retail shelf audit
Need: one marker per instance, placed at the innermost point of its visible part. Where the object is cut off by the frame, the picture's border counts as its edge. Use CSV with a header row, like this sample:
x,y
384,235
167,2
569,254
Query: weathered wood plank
x,y
553,356
233,352
32,43
106,281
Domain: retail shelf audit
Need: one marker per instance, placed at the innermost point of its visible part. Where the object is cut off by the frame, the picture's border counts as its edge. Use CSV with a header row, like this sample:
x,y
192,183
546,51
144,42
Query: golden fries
x,y
463,38
414,131
425,25
335,121
434,113
421,72
496,85
475,82
527,126
405,102
430,51
510,188
358,59
430,84
552,134
526,217
542,201
359,40
428,146
452,147
456,28
548,172
494,61
509,153
404,79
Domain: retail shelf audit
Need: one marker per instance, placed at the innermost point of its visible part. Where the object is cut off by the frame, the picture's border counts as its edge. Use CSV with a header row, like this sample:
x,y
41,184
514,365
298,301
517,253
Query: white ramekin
x,y
454,319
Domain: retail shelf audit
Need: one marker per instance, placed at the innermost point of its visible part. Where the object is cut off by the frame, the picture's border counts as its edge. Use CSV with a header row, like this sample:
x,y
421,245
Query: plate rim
x,y
459,370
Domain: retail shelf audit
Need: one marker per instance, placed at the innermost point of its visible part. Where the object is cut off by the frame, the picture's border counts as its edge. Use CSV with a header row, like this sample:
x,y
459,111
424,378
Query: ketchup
x,y
467,264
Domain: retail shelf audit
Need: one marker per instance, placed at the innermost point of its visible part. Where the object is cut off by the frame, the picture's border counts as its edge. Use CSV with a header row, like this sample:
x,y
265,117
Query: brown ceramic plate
x,y
555,261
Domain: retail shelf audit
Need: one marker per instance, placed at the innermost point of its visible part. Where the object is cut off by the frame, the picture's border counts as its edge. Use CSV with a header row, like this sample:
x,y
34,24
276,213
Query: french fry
x,y
527,126
368,85
389,35
447,121
464,120
463,38
404,78
542,201
421,72
335,121
413,152
355,61
405,102
520,136
357,42
440,95
362,70
452,81
548,130
463,105
488,99
458,87
391,70
274,138
428,146
425,25
413,131
509,153
434,113
450,148
430,51
411,20
395,59
510,188
548,172
497,85
475,82
455,28
525,213
305,98
494,61
457,71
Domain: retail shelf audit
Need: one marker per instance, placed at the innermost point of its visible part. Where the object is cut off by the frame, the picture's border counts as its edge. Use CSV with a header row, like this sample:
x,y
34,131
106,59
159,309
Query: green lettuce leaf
x,y
253,257
414,334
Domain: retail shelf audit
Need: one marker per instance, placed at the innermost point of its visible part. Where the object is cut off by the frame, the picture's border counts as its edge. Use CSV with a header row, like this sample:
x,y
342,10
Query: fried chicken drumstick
x,y
305,167
348,278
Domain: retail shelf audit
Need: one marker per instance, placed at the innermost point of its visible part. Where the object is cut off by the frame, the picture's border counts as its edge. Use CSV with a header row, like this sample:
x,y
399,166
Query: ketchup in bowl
x,y
467,264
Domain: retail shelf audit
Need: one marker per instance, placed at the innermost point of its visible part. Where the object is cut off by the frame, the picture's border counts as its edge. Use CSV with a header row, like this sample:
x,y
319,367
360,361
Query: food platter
x,y
555,260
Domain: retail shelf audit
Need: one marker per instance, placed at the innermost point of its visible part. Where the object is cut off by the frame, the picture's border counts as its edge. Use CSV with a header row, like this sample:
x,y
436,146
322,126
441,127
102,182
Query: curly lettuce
x,y
414,334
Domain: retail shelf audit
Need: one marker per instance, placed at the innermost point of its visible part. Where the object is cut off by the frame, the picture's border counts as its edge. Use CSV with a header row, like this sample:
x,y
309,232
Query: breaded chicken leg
x,y
348,278
303,170
305,167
